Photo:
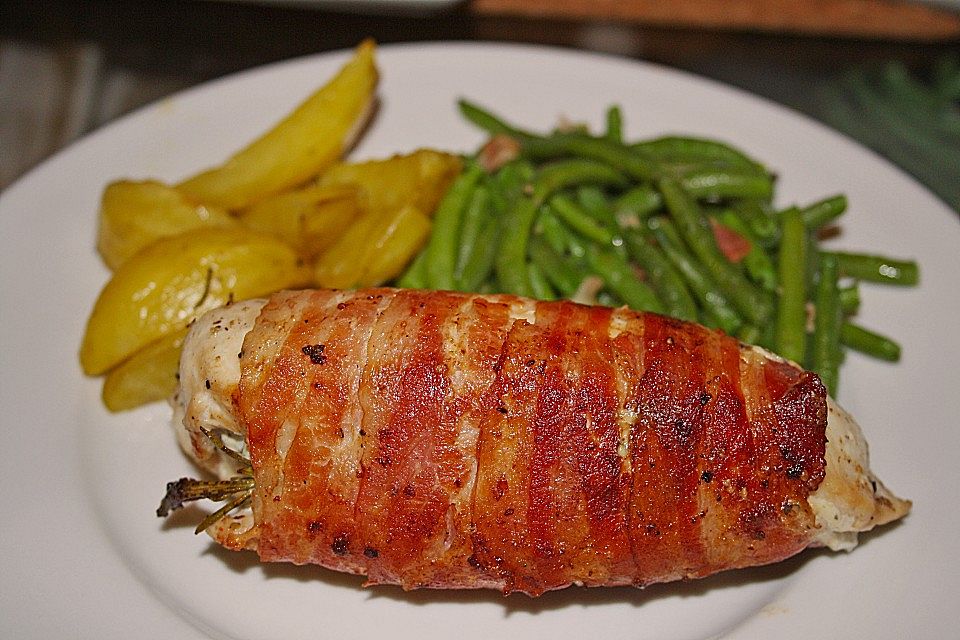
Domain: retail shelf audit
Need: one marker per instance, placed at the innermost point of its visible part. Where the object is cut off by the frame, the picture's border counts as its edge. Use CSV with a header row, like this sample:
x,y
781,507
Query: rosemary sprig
x,y
237,491
216,437
239,502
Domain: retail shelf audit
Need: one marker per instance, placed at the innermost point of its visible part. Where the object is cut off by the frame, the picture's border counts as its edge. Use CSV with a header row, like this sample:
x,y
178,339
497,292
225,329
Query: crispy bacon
x,y
435,439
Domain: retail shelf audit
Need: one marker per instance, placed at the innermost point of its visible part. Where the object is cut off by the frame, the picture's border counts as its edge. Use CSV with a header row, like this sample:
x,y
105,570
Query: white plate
x,y
83,554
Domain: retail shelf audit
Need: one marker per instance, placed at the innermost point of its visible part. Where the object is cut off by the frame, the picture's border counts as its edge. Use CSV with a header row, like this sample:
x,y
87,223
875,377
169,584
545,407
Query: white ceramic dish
x,y
83,554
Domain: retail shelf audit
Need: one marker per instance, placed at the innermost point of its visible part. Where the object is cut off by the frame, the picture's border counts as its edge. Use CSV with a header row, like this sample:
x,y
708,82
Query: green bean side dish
x,y
676,225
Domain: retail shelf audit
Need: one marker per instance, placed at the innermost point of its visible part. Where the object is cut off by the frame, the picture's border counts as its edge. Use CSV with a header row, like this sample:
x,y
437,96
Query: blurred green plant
x,y
913,121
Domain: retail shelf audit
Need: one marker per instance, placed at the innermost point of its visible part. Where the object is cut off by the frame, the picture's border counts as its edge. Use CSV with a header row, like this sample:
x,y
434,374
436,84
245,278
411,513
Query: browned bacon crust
x,y
434,439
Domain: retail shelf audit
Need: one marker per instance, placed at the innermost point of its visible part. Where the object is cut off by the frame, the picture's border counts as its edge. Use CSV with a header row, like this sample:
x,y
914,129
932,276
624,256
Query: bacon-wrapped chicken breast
x,y
447,440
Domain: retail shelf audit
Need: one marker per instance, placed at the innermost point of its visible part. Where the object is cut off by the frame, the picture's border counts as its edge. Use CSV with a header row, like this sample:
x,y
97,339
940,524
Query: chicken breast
x,y
434,439
209,373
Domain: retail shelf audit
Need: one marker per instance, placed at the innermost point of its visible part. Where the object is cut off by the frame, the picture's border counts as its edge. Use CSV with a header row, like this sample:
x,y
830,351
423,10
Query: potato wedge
x,y
376,248
134,214
341,266
163,288
419,179
395,245
148,375
310,219
300,146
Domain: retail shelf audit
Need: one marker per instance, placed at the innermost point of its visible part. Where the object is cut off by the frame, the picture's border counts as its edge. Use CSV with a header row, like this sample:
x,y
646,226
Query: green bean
x,y
718,184
489,122
825,353
850,299
824,212
510,264
875,268
868,342
758,264
593,200
791,312
539,283
749,334
640,201
714,302
767,338
662,276
442,247
415,277
547,227
560,237
614,125
622,281
564,275
812,266
697,150
694,228
760,336
572,172
507,184
763,225
579,220
633,163
557,145
477,215
479,265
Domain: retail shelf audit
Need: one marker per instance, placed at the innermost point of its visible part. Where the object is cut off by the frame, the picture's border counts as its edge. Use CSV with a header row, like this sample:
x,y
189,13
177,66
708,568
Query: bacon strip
x,y
436,439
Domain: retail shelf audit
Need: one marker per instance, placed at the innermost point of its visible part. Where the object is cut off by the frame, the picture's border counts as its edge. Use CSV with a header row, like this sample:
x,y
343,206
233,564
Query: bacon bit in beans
x,y
733,245
498,151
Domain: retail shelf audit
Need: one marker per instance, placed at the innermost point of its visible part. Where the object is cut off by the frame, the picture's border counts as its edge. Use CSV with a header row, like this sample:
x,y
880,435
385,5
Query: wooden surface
x,y
882,19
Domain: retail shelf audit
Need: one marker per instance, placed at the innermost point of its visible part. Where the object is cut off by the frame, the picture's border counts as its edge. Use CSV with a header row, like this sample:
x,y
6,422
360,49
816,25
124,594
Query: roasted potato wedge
x,y
310,219
394,245
134,214
373,250
148,375
300,146
163,288
419,179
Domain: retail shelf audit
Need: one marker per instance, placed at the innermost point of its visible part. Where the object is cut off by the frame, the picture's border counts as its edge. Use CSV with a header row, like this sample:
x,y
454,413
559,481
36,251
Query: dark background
x,y
67,67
